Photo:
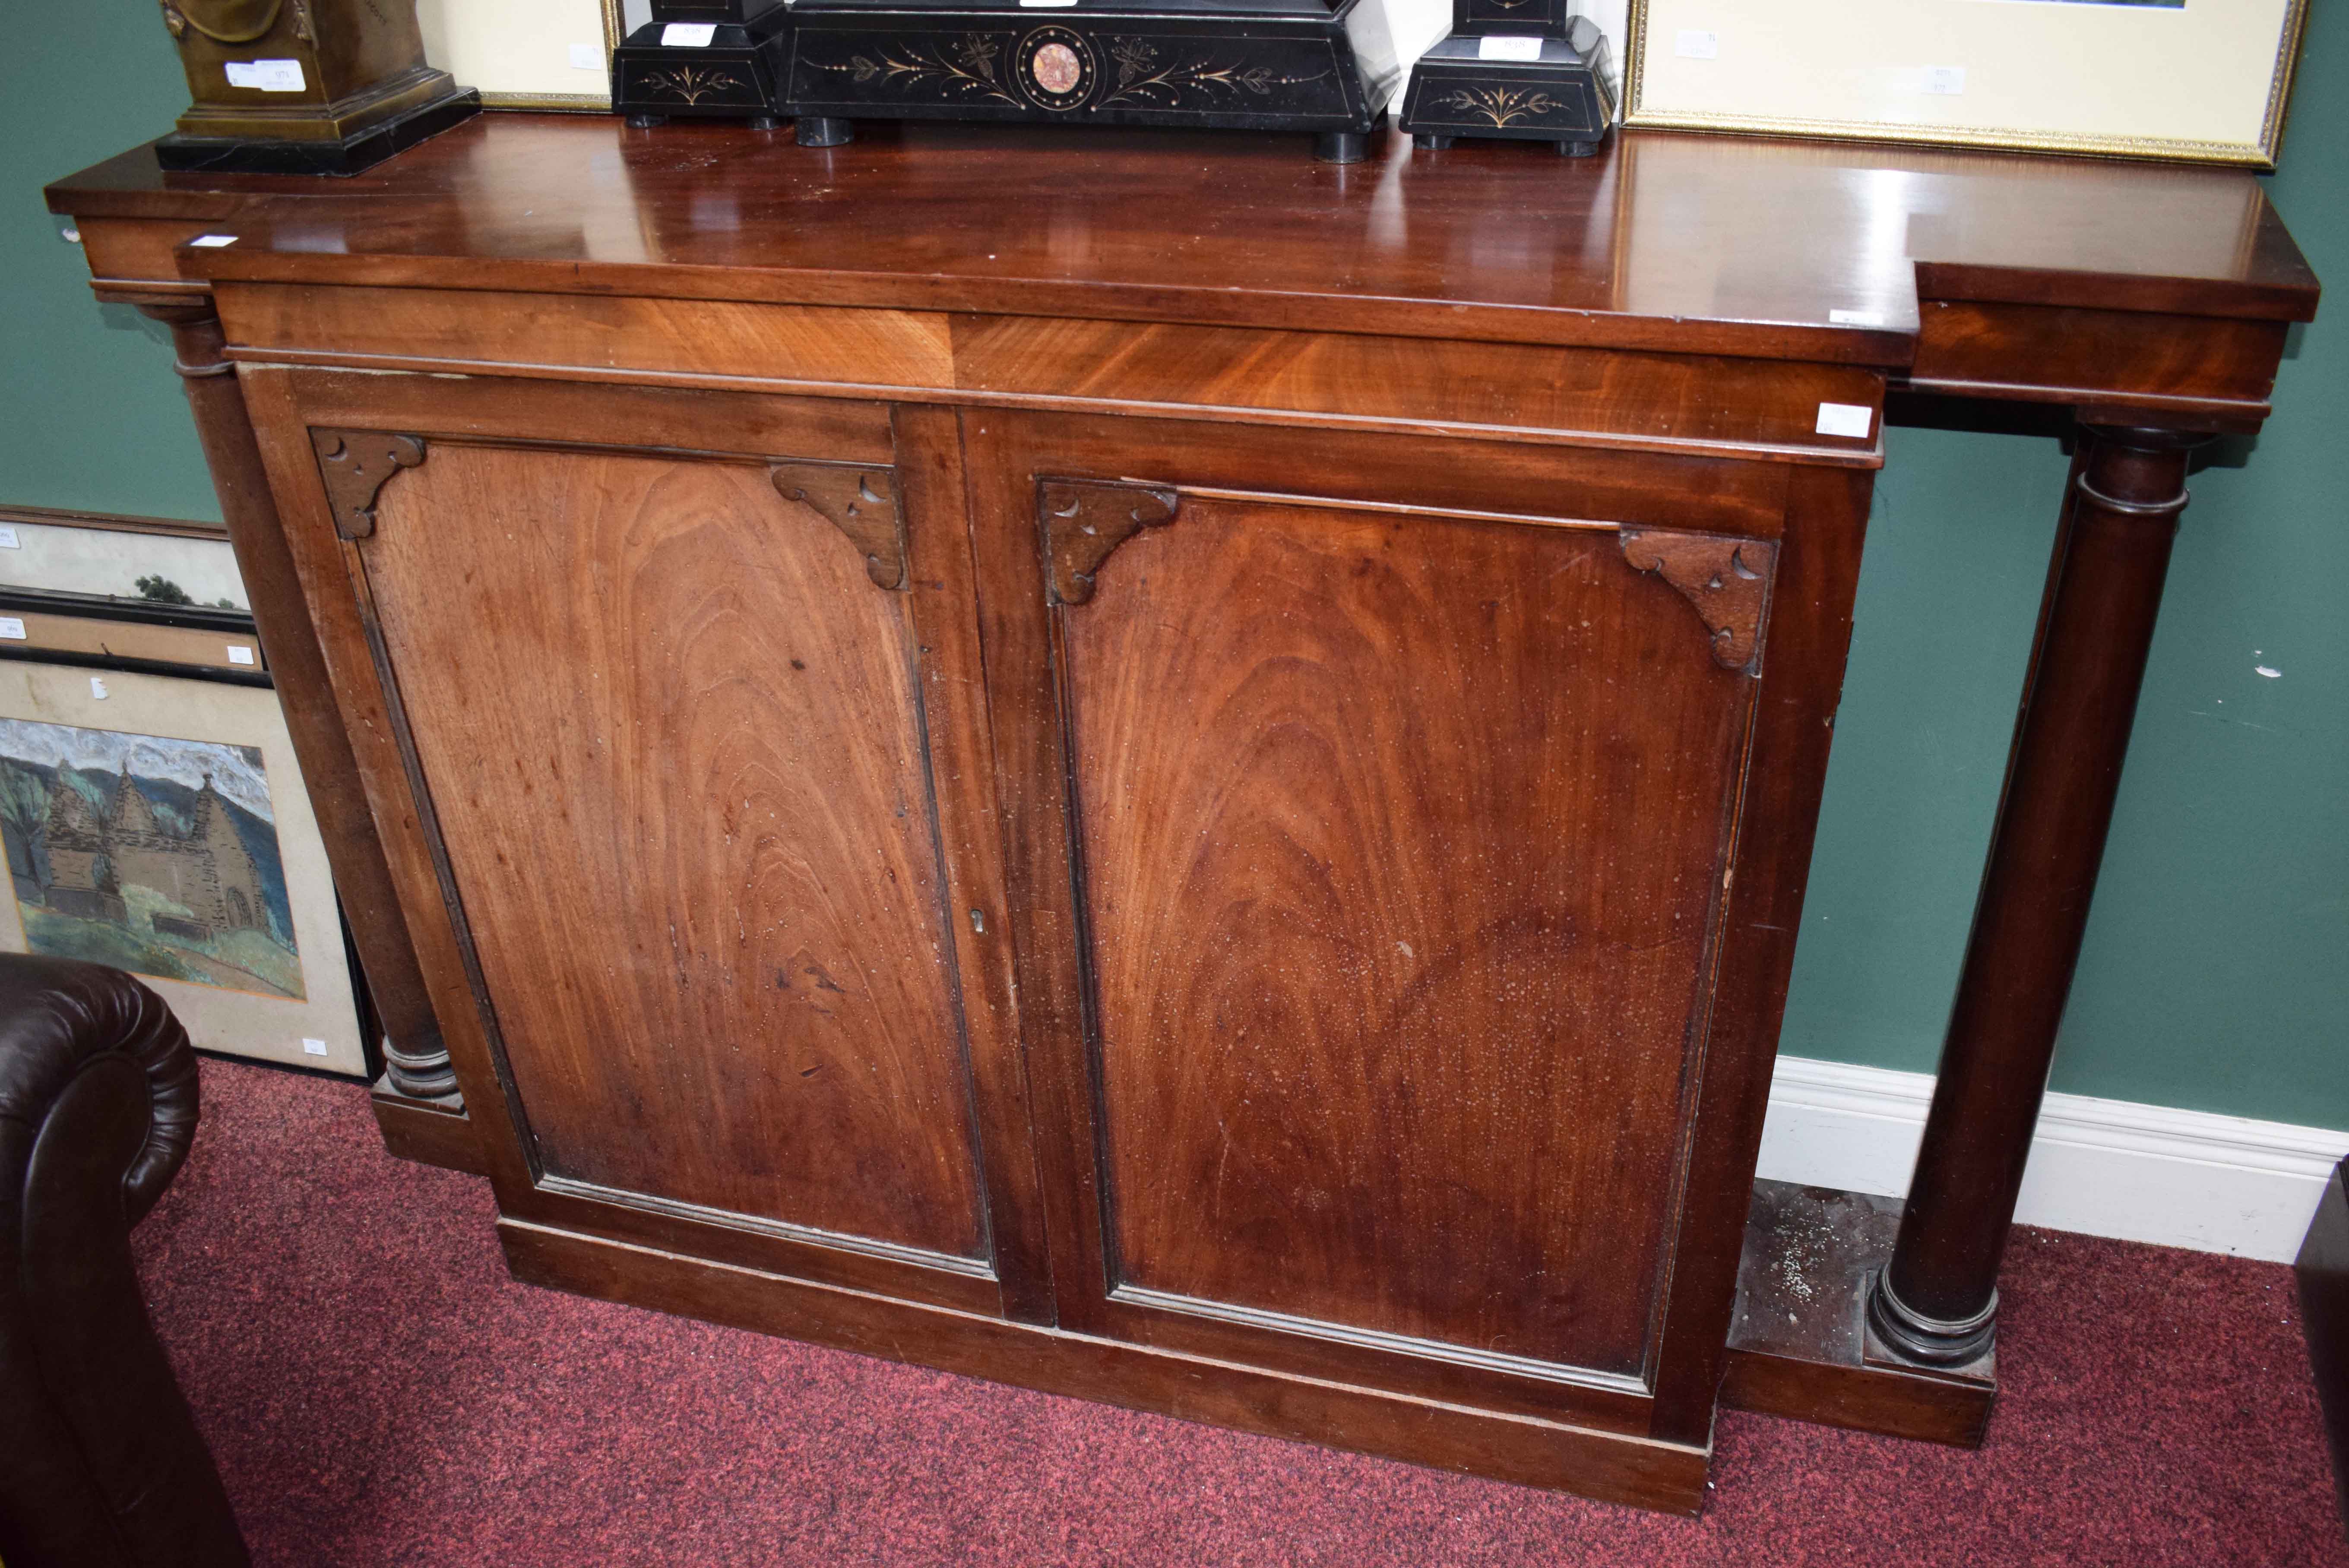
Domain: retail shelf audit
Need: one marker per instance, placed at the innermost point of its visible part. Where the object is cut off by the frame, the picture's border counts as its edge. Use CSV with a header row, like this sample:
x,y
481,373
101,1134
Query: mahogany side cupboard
x,y
1137,766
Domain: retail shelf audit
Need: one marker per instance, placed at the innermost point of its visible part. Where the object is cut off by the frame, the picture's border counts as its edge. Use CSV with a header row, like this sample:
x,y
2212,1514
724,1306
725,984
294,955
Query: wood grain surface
x,y
1663,242
674,746
1665,402
1400,839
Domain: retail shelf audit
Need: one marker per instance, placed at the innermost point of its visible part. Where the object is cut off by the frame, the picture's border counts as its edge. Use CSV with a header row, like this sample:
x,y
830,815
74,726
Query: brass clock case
x,y
228,21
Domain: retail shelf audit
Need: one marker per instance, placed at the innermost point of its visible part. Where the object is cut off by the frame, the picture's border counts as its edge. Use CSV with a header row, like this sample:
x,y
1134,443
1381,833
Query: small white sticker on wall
x,y
212,242
8,540
688,35
311,1047
1846,418
1508,46
586,58
97,688
1692,43
238,654
12,628
267,75
1855,317
1948,80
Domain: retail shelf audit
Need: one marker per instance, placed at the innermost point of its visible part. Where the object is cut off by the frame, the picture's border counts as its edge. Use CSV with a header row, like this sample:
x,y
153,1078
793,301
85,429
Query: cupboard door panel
x,y
1400,842
671,735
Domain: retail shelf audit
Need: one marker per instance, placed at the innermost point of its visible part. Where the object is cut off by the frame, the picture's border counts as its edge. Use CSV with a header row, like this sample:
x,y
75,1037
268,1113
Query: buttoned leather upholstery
x,y
100,1462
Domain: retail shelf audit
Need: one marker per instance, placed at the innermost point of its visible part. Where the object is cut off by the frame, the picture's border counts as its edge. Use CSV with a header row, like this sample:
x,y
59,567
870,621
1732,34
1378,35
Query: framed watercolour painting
x,y
157,822
2203,81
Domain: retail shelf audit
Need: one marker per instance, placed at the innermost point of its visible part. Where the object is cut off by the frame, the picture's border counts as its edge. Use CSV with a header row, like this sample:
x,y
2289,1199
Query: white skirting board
x,y
2101,1167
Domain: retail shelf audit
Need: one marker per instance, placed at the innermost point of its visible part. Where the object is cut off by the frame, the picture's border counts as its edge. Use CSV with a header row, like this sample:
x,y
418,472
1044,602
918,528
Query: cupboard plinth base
x,y
1799,1344
1529,1451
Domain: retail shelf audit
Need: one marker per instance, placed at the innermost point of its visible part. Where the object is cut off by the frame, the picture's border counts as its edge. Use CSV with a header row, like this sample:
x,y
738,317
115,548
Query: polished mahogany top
x,y
1781,249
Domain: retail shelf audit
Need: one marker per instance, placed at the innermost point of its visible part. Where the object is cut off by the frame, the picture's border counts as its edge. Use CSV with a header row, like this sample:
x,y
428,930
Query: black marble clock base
x,y
1561,96
354,151
1327,68
735,75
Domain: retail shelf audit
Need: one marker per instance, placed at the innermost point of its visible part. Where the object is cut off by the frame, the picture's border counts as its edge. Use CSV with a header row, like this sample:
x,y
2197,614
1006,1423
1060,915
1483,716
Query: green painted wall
x,y
90,414
2216,976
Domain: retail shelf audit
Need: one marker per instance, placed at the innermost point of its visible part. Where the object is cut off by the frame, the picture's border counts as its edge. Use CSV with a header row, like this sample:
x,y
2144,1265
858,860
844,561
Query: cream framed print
x,y
137,559
525,54
2203,81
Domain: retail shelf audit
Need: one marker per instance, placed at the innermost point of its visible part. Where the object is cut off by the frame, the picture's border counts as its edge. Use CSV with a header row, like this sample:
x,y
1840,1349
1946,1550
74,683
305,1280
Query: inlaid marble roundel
x,y
1056,68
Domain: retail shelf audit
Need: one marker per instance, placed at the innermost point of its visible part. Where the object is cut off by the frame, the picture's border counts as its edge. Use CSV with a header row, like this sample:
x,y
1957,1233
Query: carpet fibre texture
x,y
378,1391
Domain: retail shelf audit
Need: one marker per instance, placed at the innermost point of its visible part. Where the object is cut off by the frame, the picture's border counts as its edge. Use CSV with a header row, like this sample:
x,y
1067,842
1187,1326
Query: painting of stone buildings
x,y
152,854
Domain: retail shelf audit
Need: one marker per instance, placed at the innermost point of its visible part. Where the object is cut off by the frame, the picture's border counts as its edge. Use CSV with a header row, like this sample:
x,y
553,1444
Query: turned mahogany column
x,y
414,1056
1937,1300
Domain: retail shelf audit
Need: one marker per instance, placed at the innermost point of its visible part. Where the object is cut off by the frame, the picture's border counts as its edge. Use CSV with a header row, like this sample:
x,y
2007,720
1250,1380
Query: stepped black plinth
x,y
1521,70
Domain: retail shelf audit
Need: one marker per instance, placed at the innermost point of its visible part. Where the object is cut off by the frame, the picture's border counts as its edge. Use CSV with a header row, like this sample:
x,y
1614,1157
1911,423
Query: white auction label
x,y
688,35
267,75
1508,46
212,242
8,540
1695,43
238,654
12,628
97,688
311,1047
1845,418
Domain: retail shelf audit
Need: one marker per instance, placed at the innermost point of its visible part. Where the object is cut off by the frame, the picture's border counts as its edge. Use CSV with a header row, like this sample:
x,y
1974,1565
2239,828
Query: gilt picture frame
x,y
2191,81
154,818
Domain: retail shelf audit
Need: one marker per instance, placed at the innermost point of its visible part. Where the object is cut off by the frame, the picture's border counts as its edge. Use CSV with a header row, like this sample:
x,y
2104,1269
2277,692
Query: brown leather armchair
x,y
100,1462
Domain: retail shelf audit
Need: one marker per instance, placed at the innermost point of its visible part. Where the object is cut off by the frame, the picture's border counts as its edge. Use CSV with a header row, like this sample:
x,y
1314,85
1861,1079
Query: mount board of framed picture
x,y
2199,81
525,54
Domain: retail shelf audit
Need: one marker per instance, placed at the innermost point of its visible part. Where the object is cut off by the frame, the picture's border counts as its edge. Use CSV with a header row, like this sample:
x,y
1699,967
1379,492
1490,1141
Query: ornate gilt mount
x,y
1728,580
860,502
355,464
1084,520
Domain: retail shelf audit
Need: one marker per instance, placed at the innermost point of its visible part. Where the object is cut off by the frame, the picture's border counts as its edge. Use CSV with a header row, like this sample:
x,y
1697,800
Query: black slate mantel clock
x,y
1327,66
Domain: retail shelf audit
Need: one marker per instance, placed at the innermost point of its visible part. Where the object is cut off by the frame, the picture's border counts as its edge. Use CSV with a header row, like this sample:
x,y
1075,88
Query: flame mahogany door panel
x,y
663,714
1399,846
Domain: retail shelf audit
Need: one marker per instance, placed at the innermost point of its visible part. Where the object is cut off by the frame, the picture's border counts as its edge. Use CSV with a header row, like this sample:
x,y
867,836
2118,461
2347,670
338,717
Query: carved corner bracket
x,y
860,502
1727,579
1085,520
355,464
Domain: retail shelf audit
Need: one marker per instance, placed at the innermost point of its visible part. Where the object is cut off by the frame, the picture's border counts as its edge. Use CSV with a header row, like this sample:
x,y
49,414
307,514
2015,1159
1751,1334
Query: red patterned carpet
x,y
378,1391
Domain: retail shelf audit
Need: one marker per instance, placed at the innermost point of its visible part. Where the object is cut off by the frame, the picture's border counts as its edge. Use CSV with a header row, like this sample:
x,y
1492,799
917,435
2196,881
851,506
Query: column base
x,y
1800,1342
1934,1341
